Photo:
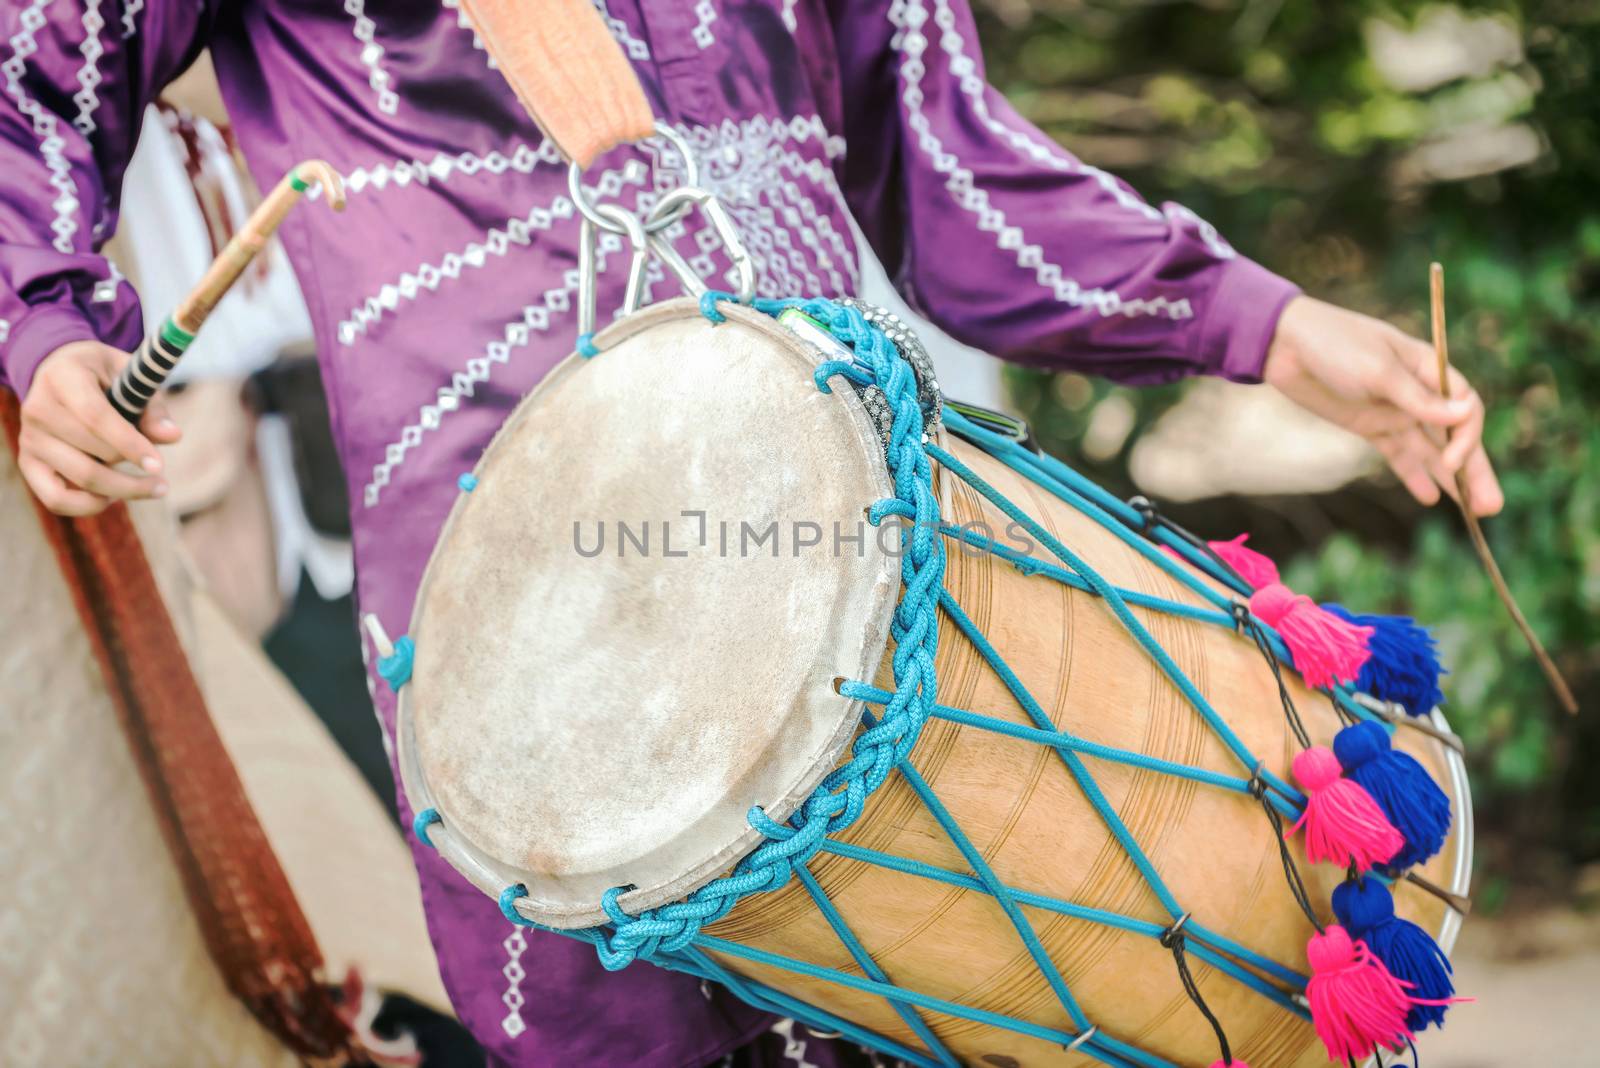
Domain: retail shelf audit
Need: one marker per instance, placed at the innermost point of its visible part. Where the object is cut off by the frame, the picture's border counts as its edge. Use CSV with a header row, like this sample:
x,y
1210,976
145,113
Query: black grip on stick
x,y
154,360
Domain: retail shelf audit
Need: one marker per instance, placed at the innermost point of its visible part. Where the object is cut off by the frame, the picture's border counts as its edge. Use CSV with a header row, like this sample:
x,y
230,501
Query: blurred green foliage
x,y
1345,145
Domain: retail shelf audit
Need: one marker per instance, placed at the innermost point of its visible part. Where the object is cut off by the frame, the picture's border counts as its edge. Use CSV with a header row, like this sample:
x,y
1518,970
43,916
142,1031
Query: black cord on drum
x,y
1174,939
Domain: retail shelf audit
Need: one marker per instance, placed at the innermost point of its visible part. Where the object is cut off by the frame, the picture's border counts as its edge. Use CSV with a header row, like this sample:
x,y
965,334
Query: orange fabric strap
x,y
564,66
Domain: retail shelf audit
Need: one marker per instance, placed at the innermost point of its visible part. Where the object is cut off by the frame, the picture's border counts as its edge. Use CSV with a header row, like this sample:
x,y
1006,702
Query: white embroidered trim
x,y
749,164
908,18
535,319
372,695
1214,241
133,8
24,44
366,31
515,945
752,165
5,331
466,24
789,20
794,1050
402,172
706,12
105,290
822,174
88,96
636,49
496,242
965,70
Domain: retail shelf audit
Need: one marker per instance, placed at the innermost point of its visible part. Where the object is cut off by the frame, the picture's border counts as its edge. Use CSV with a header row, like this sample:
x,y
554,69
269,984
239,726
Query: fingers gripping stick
x,y
159,353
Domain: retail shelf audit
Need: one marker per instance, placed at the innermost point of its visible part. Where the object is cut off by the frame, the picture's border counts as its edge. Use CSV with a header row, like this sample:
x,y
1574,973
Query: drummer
x,y
447,289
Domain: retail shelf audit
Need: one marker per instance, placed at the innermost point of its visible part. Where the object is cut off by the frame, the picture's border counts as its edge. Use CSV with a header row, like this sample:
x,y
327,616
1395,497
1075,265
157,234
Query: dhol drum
x,y
736,657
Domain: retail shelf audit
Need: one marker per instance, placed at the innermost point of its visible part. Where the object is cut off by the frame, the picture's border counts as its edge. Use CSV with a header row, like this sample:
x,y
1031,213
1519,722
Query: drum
x,y
888,723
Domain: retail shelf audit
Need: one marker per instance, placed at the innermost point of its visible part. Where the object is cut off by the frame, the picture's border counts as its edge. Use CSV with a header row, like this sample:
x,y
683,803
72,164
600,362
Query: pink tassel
x,y
1257,570
1326,648
1343,824
1356,1004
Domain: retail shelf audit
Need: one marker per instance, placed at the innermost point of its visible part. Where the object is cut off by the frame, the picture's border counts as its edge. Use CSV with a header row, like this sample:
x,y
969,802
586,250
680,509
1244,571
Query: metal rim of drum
x,y
493,876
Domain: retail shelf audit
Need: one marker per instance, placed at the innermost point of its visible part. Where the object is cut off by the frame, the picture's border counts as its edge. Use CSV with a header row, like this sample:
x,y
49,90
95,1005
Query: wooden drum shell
x,y
1023,811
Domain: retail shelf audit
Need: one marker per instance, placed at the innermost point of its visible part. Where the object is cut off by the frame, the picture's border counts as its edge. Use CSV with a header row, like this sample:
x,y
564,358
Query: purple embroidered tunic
x,y
446,290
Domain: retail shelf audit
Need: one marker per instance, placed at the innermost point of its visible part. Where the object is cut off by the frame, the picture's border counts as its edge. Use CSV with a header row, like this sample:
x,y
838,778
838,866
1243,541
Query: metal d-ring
x,y
628,223
591,212
674,205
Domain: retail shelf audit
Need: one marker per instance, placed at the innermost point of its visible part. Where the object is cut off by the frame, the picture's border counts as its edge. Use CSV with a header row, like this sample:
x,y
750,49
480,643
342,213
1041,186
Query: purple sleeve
x,y
77,75
1008,242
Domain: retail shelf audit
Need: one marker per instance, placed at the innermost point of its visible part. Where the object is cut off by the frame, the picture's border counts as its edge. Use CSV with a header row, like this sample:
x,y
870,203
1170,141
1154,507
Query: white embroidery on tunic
x,y
794,1050
534,319
402,172
1208,233
908,18
636,49
466,24
24,43
765,170
5,330
105,290
706,12
133,8
788,16
515,944
751,165
1048,153
88,96
372,696
495,242
366,31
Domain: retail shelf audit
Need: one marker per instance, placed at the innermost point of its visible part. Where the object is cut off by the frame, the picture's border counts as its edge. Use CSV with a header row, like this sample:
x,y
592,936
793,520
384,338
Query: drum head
x,y
624,640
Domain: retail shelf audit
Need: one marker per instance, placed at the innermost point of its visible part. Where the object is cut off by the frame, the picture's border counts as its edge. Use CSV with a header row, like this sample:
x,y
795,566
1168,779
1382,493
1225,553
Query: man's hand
x,y
1379,382
73,439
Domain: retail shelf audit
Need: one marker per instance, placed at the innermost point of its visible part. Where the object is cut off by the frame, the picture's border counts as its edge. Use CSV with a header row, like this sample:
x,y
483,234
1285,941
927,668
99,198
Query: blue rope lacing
x,y
672,935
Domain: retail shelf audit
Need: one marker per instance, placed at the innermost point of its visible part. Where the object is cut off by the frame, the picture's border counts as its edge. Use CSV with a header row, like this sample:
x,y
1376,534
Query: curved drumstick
x,y
158,354
1441,348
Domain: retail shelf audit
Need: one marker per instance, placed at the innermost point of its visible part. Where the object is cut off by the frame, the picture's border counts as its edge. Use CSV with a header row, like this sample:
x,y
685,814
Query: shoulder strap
x,y
564,66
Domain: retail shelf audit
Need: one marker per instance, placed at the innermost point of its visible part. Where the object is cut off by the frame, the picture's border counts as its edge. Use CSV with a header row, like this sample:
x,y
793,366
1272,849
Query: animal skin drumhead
x,y
629,631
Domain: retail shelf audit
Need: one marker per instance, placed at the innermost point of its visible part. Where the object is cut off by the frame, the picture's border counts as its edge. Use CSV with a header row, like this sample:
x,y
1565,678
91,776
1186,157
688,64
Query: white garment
x,y
168,242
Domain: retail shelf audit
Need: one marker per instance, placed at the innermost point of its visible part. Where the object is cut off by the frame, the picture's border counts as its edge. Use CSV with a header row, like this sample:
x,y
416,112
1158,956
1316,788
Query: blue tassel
x,y
1416,806
1366,910
1403,665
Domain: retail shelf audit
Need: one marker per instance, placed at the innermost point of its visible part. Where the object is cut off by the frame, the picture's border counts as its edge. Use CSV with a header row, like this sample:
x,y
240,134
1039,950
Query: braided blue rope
x,y
839,800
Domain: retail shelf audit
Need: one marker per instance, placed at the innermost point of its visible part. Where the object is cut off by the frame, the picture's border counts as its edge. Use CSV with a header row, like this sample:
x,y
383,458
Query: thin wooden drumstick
x,y
1441,348
159,353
